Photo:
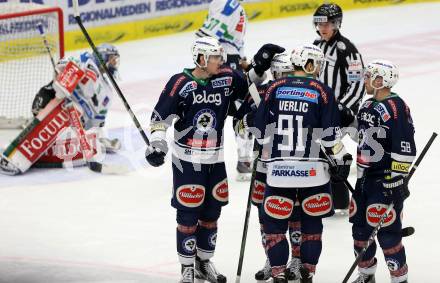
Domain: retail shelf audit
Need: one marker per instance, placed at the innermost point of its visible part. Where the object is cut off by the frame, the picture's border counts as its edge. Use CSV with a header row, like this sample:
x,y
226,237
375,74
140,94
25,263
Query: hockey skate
x,y
292,271
187,274
205,270
366,278
244,171
264,273
280,278
306,276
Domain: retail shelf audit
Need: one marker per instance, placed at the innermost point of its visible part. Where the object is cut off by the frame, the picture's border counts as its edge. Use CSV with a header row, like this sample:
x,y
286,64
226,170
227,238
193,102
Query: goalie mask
x,y
110,56
207,47
305,54
384,69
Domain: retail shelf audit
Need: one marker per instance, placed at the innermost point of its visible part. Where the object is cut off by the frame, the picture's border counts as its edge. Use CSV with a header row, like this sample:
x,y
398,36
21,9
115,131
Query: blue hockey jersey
x,y
295,117
200,107
386,137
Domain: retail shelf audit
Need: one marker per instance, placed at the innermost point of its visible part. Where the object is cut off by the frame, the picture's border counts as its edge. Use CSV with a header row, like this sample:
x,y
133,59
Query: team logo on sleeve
x,y
187,88
190,195
375,212
258,191
278,207
204,121
384,114
317,205
222,82
220,191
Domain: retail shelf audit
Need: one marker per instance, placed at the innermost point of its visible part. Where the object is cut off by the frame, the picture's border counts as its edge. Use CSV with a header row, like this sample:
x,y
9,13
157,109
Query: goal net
x,y
25,65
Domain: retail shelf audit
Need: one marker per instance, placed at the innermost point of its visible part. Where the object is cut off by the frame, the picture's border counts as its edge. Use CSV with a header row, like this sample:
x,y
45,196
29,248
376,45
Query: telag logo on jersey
x,y
297,93
187,88
215,98
222,82
384,114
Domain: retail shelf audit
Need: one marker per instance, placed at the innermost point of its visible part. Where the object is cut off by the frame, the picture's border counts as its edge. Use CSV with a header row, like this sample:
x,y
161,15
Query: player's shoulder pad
x,y
85,56
225,70
271,86
325,92
396,106
175,84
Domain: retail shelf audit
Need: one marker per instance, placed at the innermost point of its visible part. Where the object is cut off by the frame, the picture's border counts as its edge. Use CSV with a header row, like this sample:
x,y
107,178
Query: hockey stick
x,y
104,67
390,207
246,223
92,165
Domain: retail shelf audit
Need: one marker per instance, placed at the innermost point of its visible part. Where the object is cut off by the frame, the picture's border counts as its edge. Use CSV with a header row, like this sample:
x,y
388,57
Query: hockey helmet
x,y
206,46
384,69
281,64
307,53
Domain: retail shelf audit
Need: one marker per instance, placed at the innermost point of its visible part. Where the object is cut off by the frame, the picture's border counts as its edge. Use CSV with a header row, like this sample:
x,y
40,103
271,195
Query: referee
x,y
342,71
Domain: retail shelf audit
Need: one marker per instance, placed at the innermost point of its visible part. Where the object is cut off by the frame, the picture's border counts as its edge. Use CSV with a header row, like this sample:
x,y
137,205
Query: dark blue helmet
x,y
110,55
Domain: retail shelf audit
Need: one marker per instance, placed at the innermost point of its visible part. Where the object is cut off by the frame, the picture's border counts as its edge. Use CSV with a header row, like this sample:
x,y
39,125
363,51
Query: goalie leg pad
x,y
38,136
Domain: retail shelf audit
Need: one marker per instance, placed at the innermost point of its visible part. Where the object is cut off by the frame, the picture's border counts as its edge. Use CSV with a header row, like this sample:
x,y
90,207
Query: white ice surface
x,y
77,226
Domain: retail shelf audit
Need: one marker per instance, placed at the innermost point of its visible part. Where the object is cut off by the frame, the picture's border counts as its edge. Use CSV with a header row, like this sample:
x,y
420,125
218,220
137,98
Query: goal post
x,y
24,63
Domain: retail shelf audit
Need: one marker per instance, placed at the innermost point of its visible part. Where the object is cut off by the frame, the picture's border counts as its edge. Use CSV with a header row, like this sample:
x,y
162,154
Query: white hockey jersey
x,y
94,97
226,21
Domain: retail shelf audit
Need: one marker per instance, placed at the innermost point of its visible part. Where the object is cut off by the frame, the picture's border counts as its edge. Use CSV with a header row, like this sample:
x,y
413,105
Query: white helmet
x,y
385,69
303,54
281,64
206,46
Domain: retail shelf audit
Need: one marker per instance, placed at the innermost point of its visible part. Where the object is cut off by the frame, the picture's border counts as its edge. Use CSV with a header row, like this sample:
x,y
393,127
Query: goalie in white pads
x,y
79,97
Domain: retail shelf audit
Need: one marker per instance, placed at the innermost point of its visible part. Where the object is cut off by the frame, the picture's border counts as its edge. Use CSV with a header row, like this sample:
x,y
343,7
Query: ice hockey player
x,y
297,115
227,22
342,71
281,67
385,152
199,99
47,142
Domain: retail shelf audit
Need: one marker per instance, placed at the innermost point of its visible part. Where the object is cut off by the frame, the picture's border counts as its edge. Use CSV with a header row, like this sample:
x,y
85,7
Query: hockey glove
x,y
340,172
396,189
242,126
347,115
155,153
264,56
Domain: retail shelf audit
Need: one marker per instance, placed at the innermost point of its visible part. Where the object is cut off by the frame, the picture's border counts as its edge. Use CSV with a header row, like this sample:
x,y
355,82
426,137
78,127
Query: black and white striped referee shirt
x,y
343,70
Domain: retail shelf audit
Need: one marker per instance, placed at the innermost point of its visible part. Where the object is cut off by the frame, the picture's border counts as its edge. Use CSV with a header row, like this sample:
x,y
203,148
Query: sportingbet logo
x,y
290,171
222,82
215,98
297,93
